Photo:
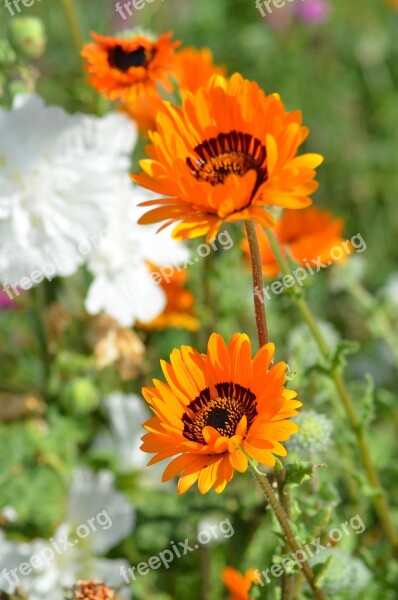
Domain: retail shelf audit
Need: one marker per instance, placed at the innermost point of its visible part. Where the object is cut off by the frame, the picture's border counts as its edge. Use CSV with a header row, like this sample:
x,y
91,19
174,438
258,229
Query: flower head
x,y
123,286
314,435
217,408
90,494
309,234
344,572
239,585
130,65
57,173
179,309
92,590
194,67
314,11
228,154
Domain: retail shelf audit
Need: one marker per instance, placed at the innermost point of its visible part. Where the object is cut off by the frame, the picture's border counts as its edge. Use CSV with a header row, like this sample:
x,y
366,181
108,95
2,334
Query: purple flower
x,y
5,300
313,11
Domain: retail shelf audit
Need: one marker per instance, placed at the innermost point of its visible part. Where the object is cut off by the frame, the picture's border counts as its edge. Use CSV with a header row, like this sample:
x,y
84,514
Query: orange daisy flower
x,y
179,311
309,234
239,585
228,154
144,110
194,67
129,66
217,408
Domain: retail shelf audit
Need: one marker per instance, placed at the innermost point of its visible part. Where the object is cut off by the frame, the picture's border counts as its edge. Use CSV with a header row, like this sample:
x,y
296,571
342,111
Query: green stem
x,y
258,287
263,338
379,497
74,26
285,526
287,583
38,308
368,303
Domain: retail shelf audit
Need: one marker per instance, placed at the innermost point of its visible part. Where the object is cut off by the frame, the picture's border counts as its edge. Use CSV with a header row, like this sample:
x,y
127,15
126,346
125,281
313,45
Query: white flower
x,y
58,173
98,518
123,286
390,290
126,413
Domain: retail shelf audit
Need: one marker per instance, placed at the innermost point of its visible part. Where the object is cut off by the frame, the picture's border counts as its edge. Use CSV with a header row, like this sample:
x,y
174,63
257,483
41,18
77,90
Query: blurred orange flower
x,y
144,109
131,66
227,155
193,68
217,408
309,234
179,311
237,584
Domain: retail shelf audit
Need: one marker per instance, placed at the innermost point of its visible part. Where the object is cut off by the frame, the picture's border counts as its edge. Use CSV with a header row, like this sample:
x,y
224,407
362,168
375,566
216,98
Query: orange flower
x,y
228,154
130,66
239,585
193,68
144,109
309,234
217,408
179,311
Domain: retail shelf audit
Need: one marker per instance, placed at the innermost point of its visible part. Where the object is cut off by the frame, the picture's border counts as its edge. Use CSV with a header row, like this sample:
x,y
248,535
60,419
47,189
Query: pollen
x,y
227,154
223,412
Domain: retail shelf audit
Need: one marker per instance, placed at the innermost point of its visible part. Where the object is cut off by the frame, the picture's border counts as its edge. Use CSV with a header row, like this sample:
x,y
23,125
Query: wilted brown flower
x,y
115,345
92,590
13,406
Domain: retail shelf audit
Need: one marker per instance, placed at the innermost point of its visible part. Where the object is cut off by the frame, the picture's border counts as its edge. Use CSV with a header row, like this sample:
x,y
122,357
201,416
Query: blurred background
x,y
338,63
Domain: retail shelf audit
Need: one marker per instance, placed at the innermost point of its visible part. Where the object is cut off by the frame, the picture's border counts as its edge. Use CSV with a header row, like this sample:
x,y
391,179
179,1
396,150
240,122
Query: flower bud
x,y
27,36
314,434
80,396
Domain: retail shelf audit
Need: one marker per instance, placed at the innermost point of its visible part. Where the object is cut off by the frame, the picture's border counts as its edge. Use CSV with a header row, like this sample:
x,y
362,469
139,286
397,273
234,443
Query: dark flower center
x,y
227,154
223,413
122,60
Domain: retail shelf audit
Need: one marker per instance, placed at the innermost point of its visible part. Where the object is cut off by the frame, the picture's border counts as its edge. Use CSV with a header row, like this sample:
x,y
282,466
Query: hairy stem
x,y
74,25
379,497
285,526
258,288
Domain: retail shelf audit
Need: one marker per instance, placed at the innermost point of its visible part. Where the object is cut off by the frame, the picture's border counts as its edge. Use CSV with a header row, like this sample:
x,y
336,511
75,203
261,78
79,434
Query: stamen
x,y
229,153
122,60
223,413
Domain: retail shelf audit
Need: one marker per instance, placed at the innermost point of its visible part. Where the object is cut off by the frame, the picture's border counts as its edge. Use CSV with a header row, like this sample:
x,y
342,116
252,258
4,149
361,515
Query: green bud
x,y
80,396
27,36
314,434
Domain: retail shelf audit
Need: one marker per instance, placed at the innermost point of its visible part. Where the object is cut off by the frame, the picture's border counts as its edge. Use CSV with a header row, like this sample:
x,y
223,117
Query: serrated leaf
x,y
297,473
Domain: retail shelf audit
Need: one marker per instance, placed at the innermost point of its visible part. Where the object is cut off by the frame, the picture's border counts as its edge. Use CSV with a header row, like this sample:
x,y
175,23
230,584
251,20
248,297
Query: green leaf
x,y
297,473
320,571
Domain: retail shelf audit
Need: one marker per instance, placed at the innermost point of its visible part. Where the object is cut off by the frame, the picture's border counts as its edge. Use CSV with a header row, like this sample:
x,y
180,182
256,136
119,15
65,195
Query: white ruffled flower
x,y
58,173
126,413
123,285
98,518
